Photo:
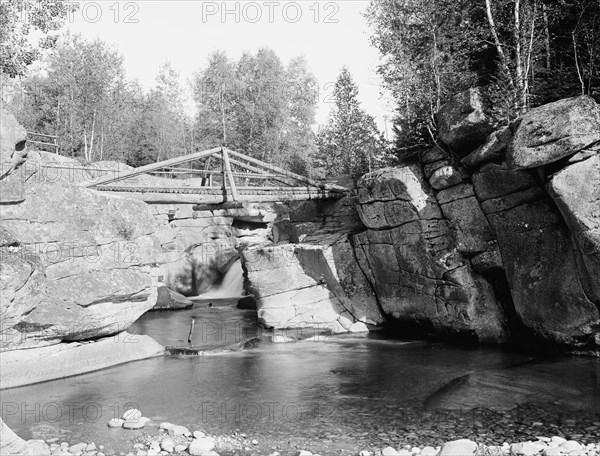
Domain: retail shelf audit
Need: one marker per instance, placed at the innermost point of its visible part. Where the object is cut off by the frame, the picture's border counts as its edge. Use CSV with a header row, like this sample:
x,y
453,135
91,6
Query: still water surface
x,y
348,384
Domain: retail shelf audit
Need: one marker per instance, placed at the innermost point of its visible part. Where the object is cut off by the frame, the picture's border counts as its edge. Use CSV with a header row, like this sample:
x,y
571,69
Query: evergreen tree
x,y
350,142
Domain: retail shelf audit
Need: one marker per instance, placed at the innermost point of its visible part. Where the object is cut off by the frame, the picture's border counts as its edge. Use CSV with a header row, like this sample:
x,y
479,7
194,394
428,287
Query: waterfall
x,y
232,285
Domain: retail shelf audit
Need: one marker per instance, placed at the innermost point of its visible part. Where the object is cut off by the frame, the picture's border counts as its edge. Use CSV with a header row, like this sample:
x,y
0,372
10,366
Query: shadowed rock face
x,y
538,256
512,243
465,122
414,262
576,192
13,153
315,282
198,246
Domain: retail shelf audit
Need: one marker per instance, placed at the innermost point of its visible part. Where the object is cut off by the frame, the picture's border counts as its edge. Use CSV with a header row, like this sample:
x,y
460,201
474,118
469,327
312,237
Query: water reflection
x,y
301,389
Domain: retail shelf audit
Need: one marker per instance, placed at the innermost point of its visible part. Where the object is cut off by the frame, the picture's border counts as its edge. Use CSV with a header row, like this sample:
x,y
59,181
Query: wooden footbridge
x,y
237,178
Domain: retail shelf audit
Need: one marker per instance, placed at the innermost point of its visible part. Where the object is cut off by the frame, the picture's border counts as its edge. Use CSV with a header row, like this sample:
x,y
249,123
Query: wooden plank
x,y
178,198
206,190
254,169
41,134
42,143
287,173
234,192
155,166
220,206
169,198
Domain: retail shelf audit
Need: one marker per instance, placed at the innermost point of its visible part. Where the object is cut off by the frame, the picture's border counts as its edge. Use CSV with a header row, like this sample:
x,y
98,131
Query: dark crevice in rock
x,y
365,273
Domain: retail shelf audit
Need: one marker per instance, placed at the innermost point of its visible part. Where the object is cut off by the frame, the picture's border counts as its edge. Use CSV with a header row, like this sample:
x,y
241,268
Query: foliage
x,y
257,105
18,18
350,142
528,52
428,56
83,97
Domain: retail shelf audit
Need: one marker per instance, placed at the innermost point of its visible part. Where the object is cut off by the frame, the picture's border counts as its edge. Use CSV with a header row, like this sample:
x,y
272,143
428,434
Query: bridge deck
x,y
215,195
290,186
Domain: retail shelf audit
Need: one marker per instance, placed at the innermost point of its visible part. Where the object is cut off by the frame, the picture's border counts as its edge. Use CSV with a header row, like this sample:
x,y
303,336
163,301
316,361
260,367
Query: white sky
x,y
328,34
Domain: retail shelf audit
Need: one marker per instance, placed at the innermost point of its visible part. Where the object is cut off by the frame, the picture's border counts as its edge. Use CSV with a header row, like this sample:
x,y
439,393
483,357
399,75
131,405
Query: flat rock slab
x,y
554,131
26,367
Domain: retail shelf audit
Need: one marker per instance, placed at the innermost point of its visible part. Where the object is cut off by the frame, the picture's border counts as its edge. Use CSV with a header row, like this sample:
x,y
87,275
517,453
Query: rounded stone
x,y
570,445
168,445
180,430
132,415
199,447
389,451
445,177
462,447
134,425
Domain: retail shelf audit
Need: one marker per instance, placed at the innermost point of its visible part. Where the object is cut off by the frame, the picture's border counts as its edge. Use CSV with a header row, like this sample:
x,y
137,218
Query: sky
x,y
328,34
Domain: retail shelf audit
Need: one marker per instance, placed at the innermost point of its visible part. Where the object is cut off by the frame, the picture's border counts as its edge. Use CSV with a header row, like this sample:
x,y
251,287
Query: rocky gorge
x,y
491,236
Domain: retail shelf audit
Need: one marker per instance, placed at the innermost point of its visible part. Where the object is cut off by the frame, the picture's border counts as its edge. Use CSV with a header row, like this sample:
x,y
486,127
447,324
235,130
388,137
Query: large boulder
x,y
538,256
411,256
13,153
465,122
98,255
305,285
576,192
11,444
554,131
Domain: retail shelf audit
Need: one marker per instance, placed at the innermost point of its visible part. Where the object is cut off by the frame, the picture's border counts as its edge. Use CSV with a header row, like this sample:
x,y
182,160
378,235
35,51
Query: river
x,y
368,387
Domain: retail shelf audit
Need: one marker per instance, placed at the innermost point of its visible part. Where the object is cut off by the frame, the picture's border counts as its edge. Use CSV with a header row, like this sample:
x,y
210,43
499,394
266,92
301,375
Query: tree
x,y
350,142
214,93
257,106
168,119
527,52
17,19
429,53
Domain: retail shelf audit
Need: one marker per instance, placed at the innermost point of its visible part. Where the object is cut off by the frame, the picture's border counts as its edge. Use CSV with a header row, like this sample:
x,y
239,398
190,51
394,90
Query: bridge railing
x,y
238,173
48,141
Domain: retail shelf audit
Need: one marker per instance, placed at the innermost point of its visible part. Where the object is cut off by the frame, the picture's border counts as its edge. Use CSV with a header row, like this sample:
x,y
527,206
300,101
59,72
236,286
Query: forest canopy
x,y
526,52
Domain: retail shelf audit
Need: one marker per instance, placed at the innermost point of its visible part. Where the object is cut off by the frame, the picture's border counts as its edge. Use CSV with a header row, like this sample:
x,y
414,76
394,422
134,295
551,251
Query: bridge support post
x,y
227,166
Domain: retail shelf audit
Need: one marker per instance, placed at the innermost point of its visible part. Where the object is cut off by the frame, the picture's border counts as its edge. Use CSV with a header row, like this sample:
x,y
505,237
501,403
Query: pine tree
x,y
350,142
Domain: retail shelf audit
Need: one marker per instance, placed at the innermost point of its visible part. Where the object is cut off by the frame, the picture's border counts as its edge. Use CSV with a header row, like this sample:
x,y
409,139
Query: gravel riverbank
x,y
514,433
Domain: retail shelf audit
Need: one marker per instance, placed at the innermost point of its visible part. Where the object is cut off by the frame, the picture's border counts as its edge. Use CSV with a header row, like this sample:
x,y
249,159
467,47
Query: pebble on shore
x,y
178,440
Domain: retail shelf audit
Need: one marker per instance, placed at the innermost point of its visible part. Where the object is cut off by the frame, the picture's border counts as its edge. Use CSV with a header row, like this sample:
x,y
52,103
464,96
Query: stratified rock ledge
x,y
26,367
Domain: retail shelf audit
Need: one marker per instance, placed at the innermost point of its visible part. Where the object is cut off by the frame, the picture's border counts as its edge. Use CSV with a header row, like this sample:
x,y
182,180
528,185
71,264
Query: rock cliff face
x,y
310,278
199,244
415,252
75,264
492,234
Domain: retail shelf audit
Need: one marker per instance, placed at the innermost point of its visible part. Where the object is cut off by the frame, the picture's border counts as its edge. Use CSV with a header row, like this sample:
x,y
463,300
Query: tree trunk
x,y
528,57
222,102
521,95
499,47
91,151
577,64
547,37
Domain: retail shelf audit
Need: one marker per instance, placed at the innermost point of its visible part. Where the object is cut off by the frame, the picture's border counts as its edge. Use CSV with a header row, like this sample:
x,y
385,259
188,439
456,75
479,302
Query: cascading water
x,y
231,287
